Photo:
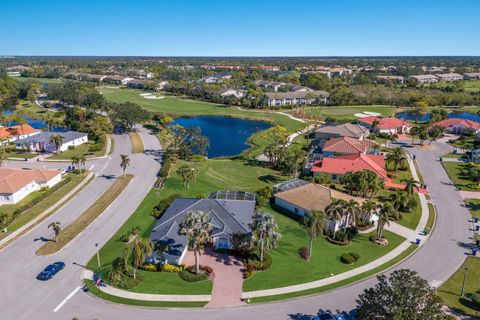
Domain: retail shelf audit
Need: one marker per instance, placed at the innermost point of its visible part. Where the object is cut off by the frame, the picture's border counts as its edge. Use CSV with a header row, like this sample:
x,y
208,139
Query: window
x,y
334,177
295,210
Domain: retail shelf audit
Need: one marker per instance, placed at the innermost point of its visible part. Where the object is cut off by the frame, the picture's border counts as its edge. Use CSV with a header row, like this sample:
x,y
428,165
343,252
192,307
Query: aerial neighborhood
x,y
184,160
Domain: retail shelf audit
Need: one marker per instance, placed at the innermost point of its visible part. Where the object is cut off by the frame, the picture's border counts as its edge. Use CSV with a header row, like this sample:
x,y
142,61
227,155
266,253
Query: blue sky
x,y
239,28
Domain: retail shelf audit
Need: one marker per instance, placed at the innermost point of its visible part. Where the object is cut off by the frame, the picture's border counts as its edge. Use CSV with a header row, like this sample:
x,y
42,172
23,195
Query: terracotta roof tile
x,y
354,163
14,179
348,145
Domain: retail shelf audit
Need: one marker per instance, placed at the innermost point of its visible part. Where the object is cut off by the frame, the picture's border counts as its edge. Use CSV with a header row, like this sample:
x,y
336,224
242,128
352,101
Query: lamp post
x,y
98,256
464,279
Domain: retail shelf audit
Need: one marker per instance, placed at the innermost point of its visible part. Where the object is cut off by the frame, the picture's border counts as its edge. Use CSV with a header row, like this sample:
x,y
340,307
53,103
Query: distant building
x,y
472,76
425,78
217,78
41,142
121,80
350,130
136,84
95,77
161,85
449,76
277,99
232,92
337,167
13,133
16,183
273,85
267,68
385,125
230,212
340,71
397,79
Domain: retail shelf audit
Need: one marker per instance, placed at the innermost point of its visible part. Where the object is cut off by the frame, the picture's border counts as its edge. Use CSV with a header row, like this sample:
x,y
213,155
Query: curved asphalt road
x,y
436,261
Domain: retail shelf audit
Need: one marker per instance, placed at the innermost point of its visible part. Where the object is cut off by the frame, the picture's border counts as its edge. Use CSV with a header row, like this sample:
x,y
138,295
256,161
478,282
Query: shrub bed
x,y
171,268
345,242
192,277
206,269
349,258
257,265
162,205
303,252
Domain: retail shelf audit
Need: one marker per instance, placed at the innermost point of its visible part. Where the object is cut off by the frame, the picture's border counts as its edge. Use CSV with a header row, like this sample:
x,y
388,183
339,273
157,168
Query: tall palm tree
x,y
142,247
125,162
410,185
385,210
264,233
316,223
336,212
196,225
414,131
400,199
82,160
398,157
75,161
352,211
368,208
56,229
57,141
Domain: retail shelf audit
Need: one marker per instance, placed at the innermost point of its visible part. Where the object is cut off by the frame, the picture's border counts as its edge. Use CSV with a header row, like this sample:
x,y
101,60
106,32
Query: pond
x,y
35,123
228,136
426,117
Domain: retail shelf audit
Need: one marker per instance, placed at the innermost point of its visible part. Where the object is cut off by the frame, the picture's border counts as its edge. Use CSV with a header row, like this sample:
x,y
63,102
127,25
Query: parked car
x,y
50,271
324,315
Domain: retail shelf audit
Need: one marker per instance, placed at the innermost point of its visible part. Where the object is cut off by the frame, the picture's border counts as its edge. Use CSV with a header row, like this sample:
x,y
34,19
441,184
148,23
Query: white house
x,y
425,78
41,142
449,76
216,79
17,183
278,99
233,92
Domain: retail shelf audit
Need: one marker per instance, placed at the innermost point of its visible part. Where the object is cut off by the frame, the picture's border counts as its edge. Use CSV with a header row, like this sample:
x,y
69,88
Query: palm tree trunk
x,y
261,251
197,261
311,246
134,272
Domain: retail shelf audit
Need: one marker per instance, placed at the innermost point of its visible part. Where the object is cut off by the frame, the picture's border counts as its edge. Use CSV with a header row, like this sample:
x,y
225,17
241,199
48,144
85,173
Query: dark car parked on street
x,y
50,271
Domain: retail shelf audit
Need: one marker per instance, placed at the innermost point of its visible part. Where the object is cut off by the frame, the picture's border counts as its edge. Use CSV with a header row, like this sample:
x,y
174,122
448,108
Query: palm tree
x,y
400,199
352,211
398,157
82,160
125,162
57,141
410,185
196,225
75,161
368,208
385,210
336,211
414,131
187,174
142,247
374,126
264,233
56,229
317,223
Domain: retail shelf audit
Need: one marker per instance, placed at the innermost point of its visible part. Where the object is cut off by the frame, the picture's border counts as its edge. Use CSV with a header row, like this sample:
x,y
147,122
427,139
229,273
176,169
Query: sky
x,y
240,27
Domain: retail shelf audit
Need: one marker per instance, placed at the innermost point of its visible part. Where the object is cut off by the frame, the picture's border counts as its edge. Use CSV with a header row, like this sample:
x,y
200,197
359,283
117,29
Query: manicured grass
x,y
472,86
474,207
86,218
399,175
137,142
420,176
41,80
289,268
453,155
342,283
160,304
453,170
81,150
178,107
347,113
451,290
20,155
431,217
40,207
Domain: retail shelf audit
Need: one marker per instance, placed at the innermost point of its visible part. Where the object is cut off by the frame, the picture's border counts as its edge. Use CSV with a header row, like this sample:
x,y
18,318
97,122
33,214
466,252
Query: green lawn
x,y
41,80
431,216
289,268
453,170
474,207
347,113
399,175
451,290
20,155
81,150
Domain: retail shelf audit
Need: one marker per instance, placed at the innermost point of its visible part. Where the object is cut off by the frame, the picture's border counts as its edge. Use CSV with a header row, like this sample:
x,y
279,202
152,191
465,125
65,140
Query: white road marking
x,y
91,167
66,299
435,283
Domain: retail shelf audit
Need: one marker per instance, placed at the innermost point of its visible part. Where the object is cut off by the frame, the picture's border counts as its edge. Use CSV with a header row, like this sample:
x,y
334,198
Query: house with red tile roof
x,y
385,125
347,145
17,183
458,126
8,134
337,167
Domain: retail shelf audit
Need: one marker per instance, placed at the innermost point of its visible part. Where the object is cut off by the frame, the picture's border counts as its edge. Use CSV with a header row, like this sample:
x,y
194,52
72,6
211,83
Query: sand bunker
x,y
151,96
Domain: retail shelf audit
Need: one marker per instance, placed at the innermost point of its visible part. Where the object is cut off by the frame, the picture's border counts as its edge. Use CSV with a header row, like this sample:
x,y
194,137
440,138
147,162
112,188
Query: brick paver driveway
x,y
227,285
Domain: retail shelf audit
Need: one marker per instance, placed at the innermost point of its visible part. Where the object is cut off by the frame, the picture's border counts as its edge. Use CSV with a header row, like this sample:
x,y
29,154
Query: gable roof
x,y
384,123
345,130
14,179
348,145
354,163
448,123
14,131
313,197
44,137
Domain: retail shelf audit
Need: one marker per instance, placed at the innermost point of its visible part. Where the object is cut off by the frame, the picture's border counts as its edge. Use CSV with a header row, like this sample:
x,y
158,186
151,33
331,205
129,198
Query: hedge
x,y
349,258
192,277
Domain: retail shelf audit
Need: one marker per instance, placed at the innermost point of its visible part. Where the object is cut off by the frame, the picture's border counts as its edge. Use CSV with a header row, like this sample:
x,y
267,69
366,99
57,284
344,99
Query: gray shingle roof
x,y
345,130
44,137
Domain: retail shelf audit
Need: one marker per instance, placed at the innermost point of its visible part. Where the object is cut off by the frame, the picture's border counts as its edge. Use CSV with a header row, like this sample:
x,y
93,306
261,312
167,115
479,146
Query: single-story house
x,y
17,183
274,85
385,125
232,92
336,167
41,142
350,130
449,76
346,145
425,78
458,126
216,79
472,76
95,77
296,98
117,79
230,212
13,133
301,198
